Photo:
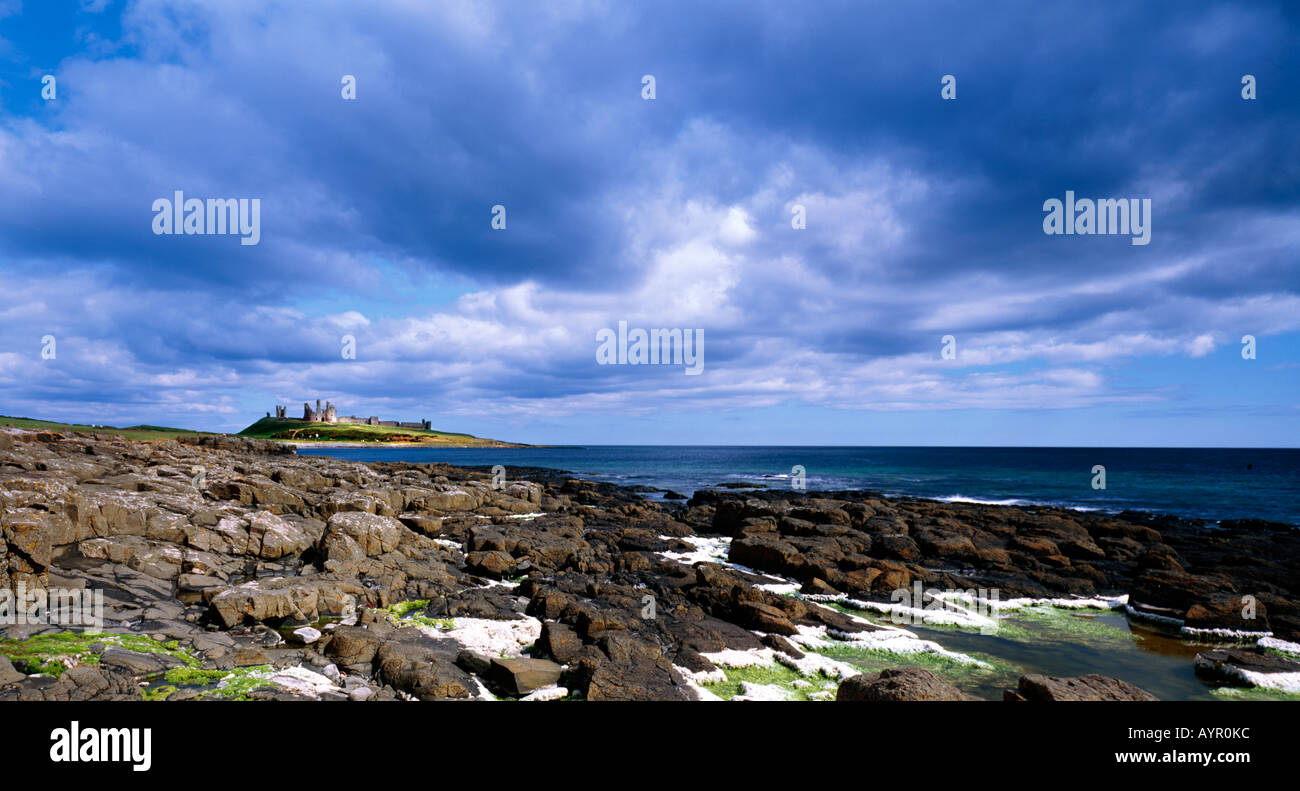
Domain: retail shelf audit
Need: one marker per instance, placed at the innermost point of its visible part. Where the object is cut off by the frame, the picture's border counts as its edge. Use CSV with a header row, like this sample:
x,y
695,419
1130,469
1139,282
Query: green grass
x,y
52,654
277,428
130,432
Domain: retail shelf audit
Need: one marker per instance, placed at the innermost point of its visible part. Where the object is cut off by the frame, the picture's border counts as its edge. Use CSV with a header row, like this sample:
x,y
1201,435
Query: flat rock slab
x,y
1233,666
7,673
136,663
523,676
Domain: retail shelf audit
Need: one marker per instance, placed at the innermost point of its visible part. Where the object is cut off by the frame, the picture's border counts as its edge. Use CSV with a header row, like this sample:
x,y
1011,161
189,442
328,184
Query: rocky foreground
x,y
235,568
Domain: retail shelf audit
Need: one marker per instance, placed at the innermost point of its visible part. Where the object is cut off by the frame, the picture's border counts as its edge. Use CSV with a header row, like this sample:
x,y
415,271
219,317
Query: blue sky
x,y
924,217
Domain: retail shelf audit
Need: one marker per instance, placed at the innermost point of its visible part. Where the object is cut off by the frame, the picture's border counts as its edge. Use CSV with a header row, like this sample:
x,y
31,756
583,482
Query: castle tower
x,y
307,414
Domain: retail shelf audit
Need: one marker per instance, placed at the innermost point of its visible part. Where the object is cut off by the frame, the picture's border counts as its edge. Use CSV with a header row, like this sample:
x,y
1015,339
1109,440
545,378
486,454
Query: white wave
x,y
1278,644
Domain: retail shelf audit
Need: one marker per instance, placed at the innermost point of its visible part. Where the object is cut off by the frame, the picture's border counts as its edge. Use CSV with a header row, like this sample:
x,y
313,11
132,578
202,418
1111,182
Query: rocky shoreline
x,y
234,568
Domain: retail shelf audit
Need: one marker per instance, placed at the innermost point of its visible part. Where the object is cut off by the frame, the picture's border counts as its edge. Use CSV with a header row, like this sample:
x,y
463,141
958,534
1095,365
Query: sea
x,y
1213,484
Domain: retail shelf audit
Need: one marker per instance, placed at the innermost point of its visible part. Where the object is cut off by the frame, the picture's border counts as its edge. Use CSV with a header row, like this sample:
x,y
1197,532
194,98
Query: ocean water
x,y
1206,483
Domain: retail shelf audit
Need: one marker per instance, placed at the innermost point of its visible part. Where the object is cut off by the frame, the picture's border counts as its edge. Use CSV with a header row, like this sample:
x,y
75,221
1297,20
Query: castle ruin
x,y
329,415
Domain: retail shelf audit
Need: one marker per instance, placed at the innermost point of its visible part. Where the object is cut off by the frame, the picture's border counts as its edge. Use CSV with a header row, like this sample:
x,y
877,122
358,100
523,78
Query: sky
x,y
381,280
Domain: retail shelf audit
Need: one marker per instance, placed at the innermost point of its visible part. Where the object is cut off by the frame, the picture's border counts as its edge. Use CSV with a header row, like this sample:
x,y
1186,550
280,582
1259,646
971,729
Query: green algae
x,y
993,671
1045,620
1253,693
160,692
771,675
405,608
407,613
233,684
1063,621
53,653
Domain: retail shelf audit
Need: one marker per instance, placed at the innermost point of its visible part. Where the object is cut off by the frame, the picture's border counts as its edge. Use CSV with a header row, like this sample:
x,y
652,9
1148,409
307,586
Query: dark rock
x,y
778,643
901,683
560,642
1231,665
136,663
421,672
7,673
522,676
472,662
627,669
1038,687
495,563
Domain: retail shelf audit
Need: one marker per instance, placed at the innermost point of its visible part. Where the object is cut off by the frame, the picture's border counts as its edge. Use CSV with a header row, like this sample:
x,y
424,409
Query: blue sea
x,y
1206,483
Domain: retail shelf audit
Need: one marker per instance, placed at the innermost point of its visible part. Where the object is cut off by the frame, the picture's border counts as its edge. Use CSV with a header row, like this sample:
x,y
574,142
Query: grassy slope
x,y
273,428
130,432
270,428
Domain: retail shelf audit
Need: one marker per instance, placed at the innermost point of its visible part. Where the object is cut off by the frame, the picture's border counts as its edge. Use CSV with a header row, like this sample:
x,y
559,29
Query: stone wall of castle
x,y
328,414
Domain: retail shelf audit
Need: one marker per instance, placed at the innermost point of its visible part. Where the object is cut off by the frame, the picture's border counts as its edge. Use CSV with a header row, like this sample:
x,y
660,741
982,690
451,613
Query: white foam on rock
x,y
1226,634
301,681
547,693
954,615
780,588
1150,616
1284,682
1070,603
715,676
707,550
1278,644
750,691
488,637
734,657
888,639
701,693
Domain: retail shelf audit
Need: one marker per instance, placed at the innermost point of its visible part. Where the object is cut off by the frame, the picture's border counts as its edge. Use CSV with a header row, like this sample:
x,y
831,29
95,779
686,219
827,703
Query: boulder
x,y
421,671
900,683
1036,687
560,642
519,677
625,668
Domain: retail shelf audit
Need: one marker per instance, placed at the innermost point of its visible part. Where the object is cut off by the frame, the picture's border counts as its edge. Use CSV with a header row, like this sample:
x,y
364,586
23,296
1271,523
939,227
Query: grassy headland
x,y
283,430
130,432
298,431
